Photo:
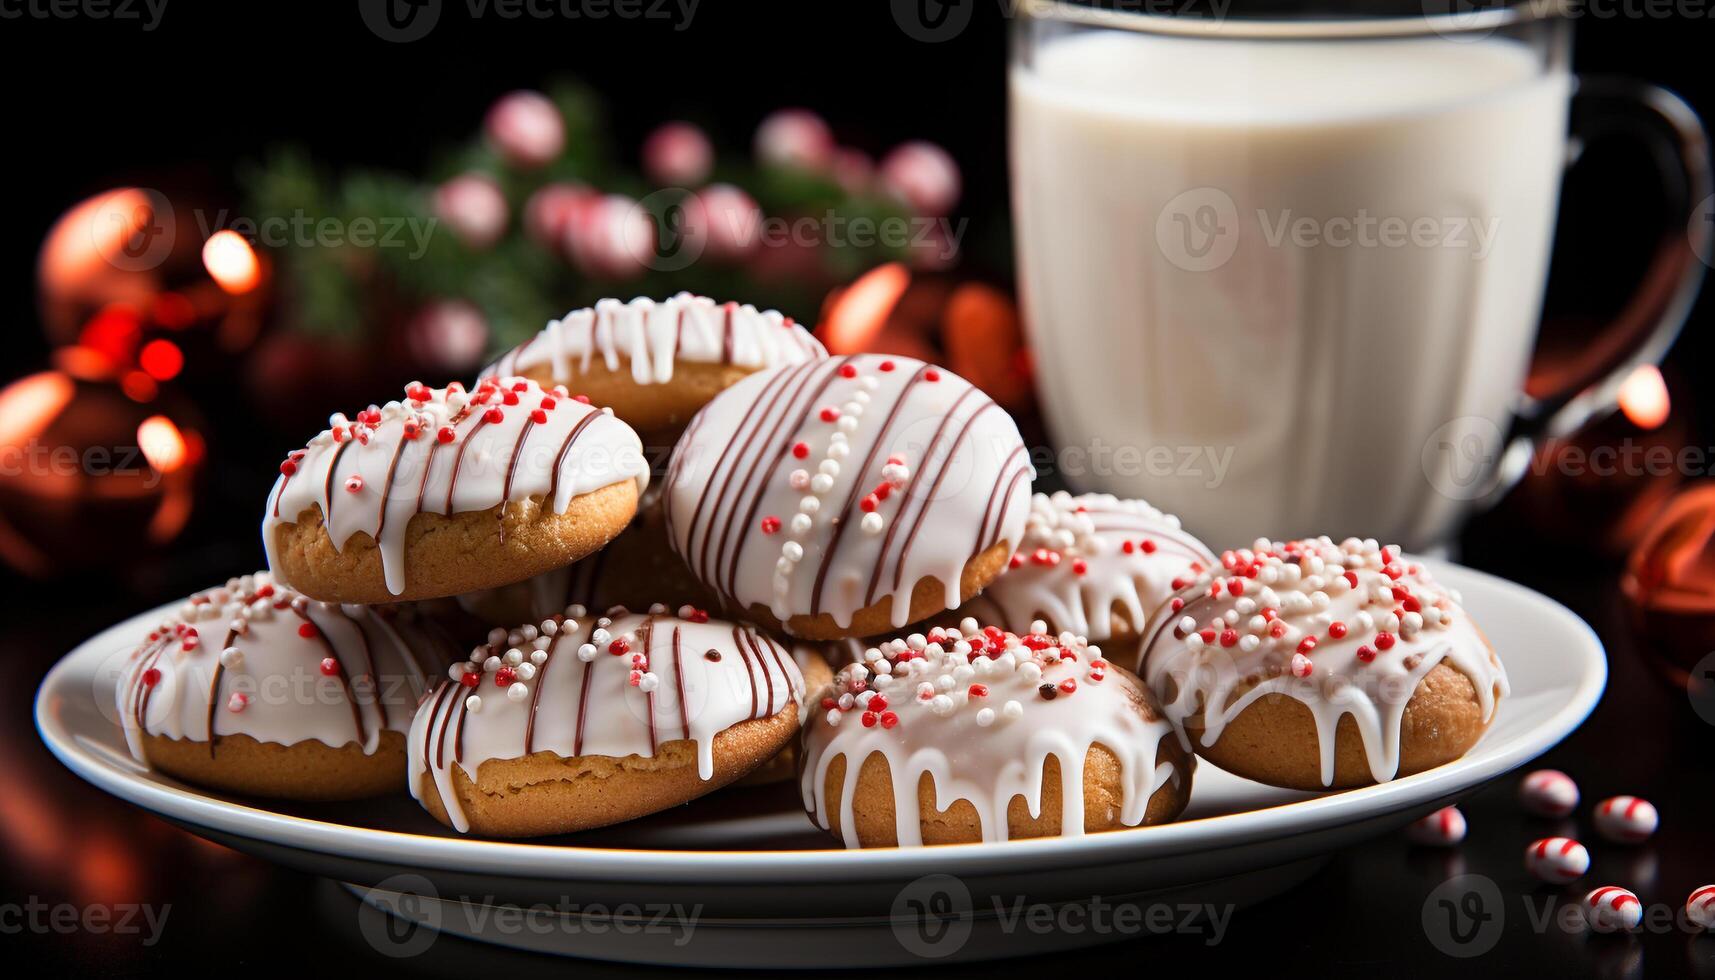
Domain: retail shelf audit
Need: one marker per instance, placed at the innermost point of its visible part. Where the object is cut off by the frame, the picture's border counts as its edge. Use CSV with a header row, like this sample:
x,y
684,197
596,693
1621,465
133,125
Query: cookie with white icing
x,y
253,688
1095,565
637,569
448,491
591,720
976,733
656,363
850,496
1315,665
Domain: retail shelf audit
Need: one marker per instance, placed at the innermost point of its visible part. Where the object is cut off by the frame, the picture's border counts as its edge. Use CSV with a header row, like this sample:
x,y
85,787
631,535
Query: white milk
x,y
1314,369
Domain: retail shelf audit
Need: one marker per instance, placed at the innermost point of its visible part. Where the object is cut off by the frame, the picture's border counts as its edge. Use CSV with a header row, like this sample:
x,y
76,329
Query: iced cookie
x,y
656,363
582,723
448,491
1093,565
977,734
252,688
1316,665
849,496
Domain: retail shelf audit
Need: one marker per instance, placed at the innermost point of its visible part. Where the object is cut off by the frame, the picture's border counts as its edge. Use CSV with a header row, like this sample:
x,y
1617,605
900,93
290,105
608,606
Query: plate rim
x,y
546,861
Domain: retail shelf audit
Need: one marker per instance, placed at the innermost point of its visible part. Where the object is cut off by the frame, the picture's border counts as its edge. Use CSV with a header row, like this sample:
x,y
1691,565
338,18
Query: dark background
x,y
91,104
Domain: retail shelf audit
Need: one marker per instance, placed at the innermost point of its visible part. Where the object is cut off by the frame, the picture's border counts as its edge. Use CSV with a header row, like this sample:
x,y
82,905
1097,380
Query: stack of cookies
x,y
484,596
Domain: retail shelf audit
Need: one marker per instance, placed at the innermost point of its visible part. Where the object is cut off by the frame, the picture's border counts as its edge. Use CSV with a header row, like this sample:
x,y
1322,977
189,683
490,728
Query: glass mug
x,y
1283,277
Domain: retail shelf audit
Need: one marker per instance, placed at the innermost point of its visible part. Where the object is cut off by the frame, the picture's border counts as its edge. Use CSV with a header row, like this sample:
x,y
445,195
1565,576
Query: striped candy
x,y
1626,819
1548,793
1557,860
1700,907
1613,909
1443,828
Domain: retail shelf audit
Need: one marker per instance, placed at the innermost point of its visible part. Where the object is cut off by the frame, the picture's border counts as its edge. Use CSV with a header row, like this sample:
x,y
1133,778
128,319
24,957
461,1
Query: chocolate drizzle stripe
x,y
140,692
285,478
929,500
344,674
734,450
438,742
679,680
560,459
214,687
759,486
463,708
327,483
1021,477
645,634
726,332
909,495
511,471
387,487
994,495
584,690
749,674
458,460
749,638
847,513
785,674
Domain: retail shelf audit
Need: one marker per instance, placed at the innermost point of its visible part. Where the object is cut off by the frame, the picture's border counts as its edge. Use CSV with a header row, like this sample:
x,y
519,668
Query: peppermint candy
x,y
1556,860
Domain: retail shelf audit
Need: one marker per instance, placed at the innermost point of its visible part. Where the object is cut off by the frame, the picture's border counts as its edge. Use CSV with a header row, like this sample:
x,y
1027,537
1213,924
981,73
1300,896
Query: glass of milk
x,y
1283,277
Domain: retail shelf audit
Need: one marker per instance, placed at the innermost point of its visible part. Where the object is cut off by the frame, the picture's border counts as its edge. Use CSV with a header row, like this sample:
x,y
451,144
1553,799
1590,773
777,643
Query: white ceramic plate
x,y
755,883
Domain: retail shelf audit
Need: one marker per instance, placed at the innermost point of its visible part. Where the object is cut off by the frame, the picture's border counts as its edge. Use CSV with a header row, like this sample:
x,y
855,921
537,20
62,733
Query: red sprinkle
x,y
878,703
619,646
1080,567
151,677
801,449
330,667
1365,654
931,375
1126,546
1148,546
1384,641
830,414
847,371
470,678
1068,685
539,417
889,719
505,676
446,434
494,416
869,719
886,365
1336,629
979,691
288,467
770,524
1229,637
1307,644
307,630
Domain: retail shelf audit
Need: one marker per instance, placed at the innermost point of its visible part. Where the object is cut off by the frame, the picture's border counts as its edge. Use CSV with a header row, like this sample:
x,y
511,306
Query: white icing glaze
x,y
967,707
807,488
1344,629
652,335
1083,556
248,658
577,687
448,451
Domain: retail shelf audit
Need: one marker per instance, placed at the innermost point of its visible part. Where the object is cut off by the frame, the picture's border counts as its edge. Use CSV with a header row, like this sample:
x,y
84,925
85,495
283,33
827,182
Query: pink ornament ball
x,y
923,176
677,154
796,138
526,129
473,207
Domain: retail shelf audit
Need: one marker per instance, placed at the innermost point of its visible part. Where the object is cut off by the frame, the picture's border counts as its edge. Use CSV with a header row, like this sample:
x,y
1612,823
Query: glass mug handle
x,y
1647,325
